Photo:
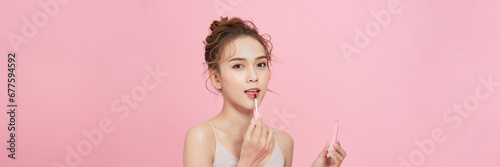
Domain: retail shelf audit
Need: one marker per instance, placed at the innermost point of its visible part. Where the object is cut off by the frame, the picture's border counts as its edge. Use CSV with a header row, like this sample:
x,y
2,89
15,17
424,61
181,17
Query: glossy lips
x,y
252,93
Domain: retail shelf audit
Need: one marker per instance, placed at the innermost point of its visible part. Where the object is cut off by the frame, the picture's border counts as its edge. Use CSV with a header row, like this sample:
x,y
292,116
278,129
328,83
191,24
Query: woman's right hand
x,y
257,144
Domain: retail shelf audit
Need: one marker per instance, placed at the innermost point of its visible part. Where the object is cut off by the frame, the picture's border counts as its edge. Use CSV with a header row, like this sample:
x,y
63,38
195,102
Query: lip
x,y
252,95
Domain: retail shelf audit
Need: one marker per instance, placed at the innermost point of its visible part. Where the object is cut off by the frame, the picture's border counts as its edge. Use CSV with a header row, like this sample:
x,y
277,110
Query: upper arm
x,y
285,141
198,147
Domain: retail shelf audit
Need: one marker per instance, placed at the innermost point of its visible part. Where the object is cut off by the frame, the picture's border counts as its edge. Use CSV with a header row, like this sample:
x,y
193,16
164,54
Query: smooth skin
x,y
243,66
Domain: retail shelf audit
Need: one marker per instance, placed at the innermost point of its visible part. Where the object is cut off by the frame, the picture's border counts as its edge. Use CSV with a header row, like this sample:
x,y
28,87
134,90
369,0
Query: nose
x,y
252,75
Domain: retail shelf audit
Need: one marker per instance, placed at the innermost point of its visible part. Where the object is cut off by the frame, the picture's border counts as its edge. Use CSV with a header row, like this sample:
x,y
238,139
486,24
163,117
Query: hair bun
x,y
216,23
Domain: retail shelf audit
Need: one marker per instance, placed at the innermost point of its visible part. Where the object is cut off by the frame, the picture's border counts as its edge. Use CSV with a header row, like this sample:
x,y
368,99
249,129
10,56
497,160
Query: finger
x,y
339,149
265,129
272,145
264,137
262,147
323,153
270,140
336,156
273,141
248,135
258,130
267,142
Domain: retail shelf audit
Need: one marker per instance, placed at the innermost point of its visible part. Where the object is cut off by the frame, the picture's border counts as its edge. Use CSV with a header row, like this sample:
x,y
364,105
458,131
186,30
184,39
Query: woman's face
x,y
243,66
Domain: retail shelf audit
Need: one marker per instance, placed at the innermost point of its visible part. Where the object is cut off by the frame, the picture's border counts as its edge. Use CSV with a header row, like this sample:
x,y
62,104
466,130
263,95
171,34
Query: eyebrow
x,y
243,59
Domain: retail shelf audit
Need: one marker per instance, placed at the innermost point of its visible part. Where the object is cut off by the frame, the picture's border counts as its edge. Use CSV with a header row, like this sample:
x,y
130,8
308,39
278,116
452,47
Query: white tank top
x,y
224,158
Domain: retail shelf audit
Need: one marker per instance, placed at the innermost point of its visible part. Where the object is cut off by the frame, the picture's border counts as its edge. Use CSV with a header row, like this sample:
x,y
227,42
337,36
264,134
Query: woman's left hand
x,y
334,160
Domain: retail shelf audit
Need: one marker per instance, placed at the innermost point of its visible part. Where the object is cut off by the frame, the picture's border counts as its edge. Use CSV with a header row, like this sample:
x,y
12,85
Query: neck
x,y
235,119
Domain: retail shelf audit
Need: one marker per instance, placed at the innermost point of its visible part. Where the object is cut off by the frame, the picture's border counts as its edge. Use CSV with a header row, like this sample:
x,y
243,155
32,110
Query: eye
x,y
262,65
238,66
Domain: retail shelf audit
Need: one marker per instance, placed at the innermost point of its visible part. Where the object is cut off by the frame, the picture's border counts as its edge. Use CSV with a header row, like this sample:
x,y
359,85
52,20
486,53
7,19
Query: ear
x,y
215,79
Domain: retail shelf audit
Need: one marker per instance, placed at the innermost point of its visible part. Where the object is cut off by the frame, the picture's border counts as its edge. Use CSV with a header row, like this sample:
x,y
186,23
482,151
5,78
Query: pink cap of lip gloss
x,y
335,133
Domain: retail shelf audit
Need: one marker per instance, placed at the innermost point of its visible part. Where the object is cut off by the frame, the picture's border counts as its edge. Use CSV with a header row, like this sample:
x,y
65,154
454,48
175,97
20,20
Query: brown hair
x,y
224,31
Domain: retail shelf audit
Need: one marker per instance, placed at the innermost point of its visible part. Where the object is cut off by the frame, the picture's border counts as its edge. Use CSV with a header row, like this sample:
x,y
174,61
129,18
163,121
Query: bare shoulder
x,y
199,145
202,135
201,131
285,142
283,137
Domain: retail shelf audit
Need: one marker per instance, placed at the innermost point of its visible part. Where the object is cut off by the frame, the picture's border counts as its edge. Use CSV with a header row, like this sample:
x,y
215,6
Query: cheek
x,y
231,81
266,76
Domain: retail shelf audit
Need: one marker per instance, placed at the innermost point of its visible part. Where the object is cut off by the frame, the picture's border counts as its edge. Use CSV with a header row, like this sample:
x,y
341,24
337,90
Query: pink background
x,y
397,90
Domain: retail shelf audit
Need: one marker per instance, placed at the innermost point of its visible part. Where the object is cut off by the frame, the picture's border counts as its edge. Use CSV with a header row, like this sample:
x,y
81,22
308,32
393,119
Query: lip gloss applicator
x,y
256,112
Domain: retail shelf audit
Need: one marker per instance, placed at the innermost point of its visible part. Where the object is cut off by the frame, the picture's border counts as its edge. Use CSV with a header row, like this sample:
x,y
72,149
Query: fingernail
x,y
338,140
330,150
330,154
335,144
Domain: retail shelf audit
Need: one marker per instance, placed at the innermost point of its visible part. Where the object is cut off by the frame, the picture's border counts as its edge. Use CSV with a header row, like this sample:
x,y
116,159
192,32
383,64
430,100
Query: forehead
x,y
243,47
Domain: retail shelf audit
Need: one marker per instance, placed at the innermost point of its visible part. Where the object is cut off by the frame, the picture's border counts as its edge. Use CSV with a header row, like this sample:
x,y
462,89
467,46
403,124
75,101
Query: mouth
x,y
252,93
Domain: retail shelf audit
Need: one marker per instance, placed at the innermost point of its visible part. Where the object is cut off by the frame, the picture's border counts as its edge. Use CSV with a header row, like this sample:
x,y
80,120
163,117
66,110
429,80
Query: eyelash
x,y
237,65
264,65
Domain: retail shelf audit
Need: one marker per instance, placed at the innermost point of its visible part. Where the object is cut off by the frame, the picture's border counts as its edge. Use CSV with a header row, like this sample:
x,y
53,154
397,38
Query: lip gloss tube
x,y
335,133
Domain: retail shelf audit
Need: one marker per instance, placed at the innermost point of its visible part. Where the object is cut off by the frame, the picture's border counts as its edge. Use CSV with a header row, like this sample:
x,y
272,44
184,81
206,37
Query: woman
x,y
238,64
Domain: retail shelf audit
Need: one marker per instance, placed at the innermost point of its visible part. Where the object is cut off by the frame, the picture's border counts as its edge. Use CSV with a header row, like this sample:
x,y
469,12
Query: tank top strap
x,y
215,134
